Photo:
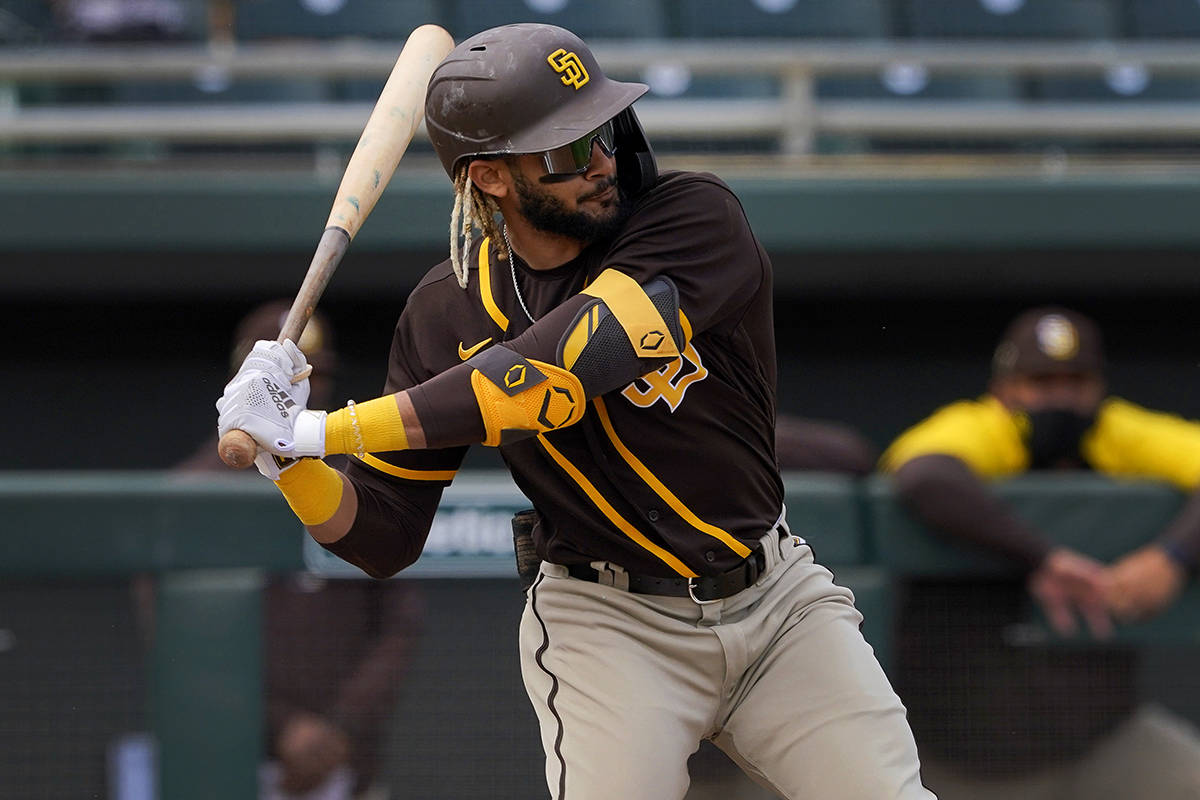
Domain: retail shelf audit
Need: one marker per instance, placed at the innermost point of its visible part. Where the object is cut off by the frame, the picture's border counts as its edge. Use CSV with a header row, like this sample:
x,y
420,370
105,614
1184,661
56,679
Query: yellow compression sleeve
x,y
371,427
313,489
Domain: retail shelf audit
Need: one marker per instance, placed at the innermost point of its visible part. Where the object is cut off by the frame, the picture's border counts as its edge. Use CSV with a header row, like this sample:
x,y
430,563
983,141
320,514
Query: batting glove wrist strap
x,y
313,489
309,433
272,466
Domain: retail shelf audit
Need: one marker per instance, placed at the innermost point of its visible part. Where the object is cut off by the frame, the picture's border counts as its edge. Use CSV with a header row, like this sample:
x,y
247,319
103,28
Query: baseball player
x,y
611,332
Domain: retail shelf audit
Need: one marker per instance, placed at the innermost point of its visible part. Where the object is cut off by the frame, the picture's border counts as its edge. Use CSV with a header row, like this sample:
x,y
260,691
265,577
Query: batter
x,y
609,329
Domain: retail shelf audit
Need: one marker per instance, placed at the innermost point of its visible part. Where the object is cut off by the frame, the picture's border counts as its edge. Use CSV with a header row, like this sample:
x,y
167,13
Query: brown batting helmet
x,y
527,88
1049,340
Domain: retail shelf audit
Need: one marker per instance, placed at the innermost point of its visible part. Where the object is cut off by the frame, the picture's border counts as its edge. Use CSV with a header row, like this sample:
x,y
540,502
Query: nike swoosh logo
x,y
466,352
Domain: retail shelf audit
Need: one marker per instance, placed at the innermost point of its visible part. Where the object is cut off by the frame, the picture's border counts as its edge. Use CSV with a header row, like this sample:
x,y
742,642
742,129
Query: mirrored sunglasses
x,y
572,160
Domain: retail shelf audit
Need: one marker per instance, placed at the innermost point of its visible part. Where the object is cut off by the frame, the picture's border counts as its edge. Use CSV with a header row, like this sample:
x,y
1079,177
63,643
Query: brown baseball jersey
x,y
673,474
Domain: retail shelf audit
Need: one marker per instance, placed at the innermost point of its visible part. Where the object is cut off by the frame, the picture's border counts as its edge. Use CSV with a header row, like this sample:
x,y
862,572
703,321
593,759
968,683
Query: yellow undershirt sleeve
x,y
1134,442
371,427
981,433
313,489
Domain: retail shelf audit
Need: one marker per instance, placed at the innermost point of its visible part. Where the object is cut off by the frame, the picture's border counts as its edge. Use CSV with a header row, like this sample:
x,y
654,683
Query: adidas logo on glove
x,y
282,400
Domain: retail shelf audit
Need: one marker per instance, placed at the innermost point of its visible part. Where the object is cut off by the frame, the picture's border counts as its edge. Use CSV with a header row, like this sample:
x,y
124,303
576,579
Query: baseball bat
x,y
385,137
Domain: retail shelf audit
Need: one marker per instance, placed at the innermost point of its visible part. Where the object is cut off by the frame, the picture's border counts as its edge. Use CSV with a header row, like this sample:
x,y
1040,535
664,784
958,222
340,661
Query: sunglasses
x,y
572,160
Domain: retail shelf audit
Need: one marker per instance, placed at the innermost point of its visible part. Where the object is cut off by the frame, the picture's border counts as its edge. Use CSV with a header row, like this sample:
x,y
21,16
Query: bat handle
x,y
237,449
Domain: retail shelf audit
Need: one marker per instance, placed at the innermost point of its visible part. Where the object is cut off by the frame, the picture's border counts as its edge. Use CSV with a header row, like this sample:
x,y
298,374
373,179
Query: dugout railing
x,y
210,540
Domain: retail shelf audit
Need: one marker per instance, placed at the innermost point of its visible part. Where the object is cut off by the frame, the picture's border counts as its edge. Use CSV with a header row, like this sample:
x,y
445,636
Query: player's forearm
x,y
391,522
321,498
476,402
379,531
538,382
382,425
943,493
343,517
1181,539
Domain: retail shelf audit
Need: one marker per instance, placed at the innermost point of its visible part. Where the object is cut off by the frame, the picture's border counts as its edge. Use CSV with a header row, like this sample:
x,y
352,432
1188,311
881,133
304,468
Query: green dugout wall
x,y
210,540
260,213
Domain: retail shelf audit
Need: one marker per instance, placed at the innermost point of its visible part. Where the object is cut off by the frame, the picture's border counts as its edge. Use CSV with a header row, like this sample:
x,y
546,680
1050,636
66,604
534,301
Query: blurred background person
x,y
818,445
997,718
126,20
336,649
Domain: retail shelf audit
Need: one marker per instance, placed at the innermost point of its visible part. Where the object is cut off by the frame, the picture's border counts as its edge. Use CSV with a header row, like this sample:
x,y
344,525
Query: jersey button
x,y
652,515
710,556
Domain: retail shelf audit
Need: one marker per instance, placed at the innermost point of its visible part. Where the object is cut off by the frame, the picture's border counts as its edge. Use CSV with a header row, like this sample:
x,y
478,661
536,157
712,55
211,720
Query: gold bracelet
x,y
360,448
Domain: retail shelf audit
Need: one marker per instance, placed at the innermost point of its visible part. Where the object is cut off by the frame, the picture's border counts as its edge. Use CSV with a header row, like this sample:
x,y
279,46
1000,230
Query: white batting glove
x,y
272,466
284,361
261,399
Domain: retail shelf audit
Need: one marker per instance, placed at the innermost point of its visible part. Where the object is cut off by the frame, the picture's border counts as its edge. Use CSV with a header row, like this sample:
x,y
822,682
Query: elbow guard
x,y
519,397
625,332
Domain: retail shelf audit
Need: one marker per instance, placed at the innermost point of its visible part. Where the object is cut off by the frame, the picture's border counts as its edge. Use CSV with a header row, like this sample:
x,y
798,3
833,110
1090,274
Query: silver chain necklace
x,y
512,263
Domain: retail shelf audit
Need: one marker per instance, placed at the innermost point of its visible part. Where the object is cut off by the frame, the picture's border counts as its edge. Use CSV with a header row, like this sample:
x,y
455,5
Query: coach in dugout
x,y
998,720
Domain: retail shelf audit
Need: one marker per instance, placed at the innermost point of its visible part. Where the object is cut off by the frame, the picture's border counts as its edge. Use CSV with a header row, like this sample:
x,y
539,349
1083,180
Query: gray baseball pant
x,y
626,685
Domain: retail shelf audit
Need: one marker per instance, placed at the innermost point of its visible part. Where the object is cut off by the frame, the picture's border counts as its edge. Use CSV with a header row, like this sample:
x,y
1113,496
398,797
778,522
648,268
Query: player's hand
x,y
310,747
1144,583
283,361
262,400
1069,583
280,358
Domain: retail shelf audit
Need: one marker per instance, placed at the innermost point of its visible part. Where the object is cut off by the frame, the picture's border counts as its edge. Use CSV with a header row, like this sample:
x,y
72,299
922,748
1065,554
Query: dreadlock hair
x,y
473,208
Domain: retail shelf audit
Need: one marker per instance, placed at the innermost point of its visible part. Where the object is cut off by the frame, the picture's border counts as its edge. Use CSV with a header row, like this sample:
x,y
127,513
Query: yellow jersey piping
x,y
401,472
614,517
661,490
485,287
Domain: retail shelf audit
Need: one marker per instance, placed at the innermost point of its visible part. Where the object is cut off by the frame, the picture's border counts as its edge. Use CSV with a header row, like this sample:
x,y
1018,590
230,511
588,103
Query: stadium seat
x,y
901,85
612,19
782,18
998,19
1130,84
709,86
221,92
1154,19
911,83
328,19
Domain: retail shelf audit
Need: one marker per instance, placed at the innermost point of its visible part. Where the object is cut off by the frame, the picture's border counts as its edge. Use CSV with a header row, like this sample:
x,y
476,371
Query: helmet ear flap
x,y
637,170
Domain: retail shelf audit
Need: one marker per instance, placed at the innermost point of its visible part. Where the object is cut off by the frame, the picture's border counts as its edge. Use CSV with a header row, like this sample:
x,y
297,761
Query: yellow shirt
x,y
1127,441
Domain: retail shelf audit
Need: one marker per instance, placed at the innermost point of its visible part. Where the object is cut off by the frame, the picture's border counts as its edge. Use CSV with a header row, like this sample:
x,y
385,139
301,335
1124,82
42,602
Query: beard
x,y
546,213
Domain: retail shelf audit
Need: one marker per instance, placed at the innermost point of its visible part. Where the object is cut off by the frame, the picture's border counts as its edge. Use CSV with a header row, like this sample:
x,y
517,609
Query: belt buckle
x,y
691,584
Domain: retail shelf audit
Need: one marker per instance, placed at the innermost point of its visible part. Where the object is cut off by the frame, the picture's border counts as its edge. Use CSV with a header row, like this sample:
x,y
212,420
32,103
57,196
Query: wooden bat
x,y
386,136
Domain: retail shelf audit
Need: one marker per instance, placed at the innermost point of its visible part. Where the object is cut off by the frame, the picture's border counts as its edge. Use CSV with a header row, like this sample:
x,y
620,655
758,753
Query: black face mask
x,y
1055,435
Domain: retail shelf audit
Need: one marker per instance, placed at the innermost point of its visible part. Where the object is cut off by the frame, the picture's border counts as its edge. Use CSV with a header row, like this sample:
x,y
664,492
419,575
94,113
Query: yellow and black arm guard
x,y
519,397
612,333
626,331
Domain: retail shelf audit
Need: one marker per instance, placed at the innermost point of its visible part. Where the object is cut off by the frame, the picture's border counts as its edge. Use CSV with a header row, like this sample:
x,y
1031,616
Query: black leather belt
x,y
701,589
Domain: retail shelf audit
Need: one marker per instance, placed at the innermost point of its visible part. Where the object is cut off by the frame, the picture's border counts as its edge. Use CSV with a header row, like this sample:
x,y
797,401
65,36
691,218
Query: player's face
x,y
1081,392
585,207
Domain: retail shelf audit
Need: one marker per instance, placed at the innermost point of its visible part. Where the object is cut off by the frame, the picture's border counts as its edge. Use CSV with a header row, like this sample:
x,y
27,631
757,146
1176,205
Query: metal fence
x,y
790,118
